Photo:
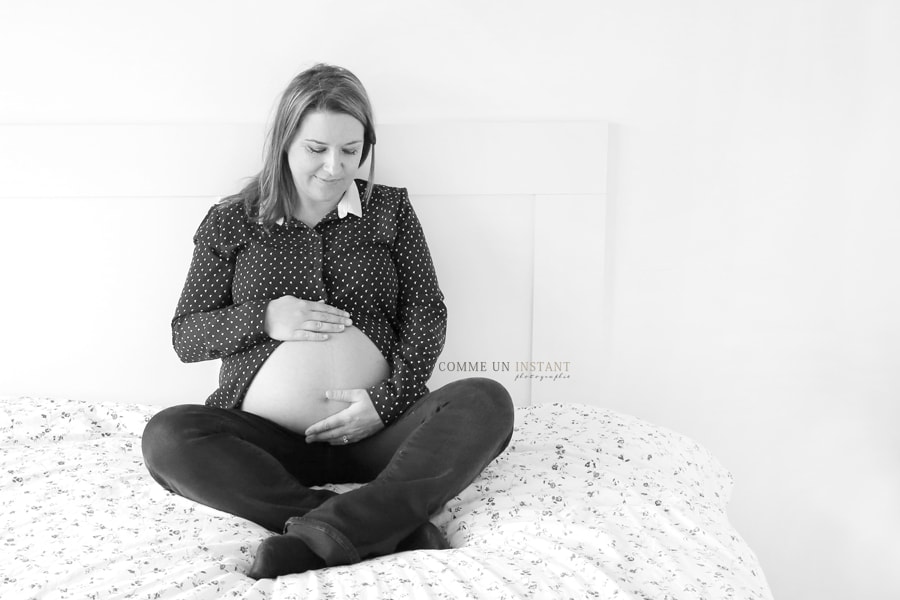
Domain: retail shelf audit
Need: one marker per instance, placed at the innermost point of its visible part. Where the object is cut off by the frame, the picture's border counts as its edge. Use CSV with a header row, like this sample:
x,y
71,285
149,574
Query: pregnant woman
x,y
318,293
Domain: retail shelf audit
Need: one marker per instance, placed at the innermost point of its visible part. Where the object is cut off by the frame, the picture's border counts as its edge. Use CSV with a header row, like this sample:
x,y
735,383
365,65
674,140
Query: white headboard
x,y
96,240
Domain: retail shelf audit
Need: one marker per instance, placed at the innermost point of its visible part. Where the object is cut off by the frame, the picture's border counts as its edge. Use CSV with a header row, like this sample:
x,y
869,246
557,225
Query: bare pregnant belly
x,y
289,388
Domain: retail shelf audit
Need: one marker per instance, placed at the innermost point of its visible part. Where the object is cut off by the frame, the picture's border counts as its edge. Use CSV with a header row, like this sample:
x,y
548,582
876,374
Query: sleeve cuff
x,y
384,401
256,318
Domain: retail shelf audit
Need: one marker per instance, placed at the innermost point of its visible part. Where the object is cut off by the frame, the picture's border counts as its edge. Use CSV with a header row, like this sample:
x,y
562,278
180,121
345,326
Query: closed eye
x,y
347,151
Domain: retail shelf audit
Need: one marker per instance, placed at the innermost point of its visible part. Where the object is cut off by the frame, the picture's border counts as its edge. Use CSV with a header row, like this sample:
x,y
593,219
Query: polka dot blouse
x,y
376,267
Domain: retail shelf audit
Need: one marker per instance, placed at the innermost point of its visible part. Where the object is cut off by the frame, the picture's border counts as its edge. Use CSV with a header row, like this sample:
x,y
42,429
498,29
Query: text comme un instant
x,y
558,366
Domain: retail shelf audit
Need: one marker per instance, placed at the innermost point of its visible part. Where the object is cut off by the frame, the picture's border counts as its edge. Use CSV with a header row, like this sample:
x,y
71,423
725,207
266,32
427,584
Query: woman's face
x,y
324,156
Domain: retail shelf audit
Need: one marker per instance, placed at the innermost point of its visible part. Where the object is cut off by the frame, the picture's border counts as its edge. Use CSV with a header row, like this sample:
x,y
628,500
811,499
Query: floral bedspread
x,y
585,503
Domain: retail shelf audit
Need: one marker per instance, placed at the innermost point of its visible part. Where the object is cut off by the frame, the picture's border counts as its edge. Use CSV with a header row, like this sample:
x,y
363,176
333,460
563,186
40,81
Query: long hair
x,y
271,195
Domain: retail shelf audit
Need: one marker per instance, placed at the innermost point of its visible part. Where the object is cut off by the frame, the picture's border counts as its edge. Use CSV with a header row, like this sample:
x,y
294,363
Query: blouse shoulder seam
x,y
229,225
380,190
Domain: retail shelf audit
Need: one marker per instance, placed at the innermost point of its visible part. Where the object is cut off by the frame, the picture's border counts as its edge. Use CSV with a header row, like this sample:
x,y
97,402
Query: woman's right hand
x,y
291,319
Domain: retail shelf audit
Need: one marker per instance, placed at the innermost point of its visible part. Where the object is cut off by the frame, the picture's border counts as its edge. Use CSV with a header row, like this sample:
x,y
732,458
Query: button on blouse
x,y
377,267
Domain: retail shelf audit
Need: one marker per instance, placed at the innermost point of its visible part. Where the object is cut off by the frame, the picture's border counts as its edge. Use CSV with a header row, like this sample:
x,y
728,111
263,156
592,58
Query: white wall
x,y
754,201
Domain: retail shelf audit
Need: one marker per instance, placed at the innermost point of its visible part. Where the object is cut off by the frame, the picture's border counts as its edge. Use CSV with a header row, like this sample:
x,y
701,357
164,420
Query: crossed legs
x,y
245,465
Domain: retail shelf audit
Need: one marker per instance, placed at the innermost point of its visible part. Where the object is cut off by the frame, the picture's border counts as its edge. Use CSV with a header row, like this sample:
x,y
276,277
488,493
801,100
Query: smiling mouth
x,y
328,180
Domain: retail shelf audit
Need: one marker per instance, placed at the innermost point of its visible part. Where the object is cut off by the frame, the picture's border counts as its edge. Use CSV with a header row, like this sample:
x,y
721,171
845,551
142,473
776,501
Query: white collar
x,y
350,203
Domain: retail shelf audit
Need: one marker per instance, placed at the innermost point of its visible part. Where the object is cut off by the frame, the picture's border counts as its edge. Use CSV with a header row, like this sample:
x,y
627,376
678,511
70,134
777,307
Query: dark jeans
x,y
248,466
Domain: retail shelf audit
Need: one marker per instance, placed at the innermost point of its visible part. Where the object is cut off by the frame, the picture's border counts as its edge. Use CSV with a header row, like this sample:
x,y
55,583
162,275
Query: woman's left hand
x,y
356,422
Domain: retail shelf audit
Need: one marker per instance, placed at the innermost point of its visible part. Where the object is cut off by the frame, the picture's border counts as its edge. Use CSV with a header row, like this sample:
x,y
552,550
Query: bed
x,y
585,503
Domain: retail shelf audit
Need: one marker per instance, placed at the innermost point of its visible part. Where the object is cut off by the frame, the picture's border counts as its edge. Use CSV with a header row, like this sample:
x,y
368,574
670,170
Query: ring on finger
x,y
345,439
